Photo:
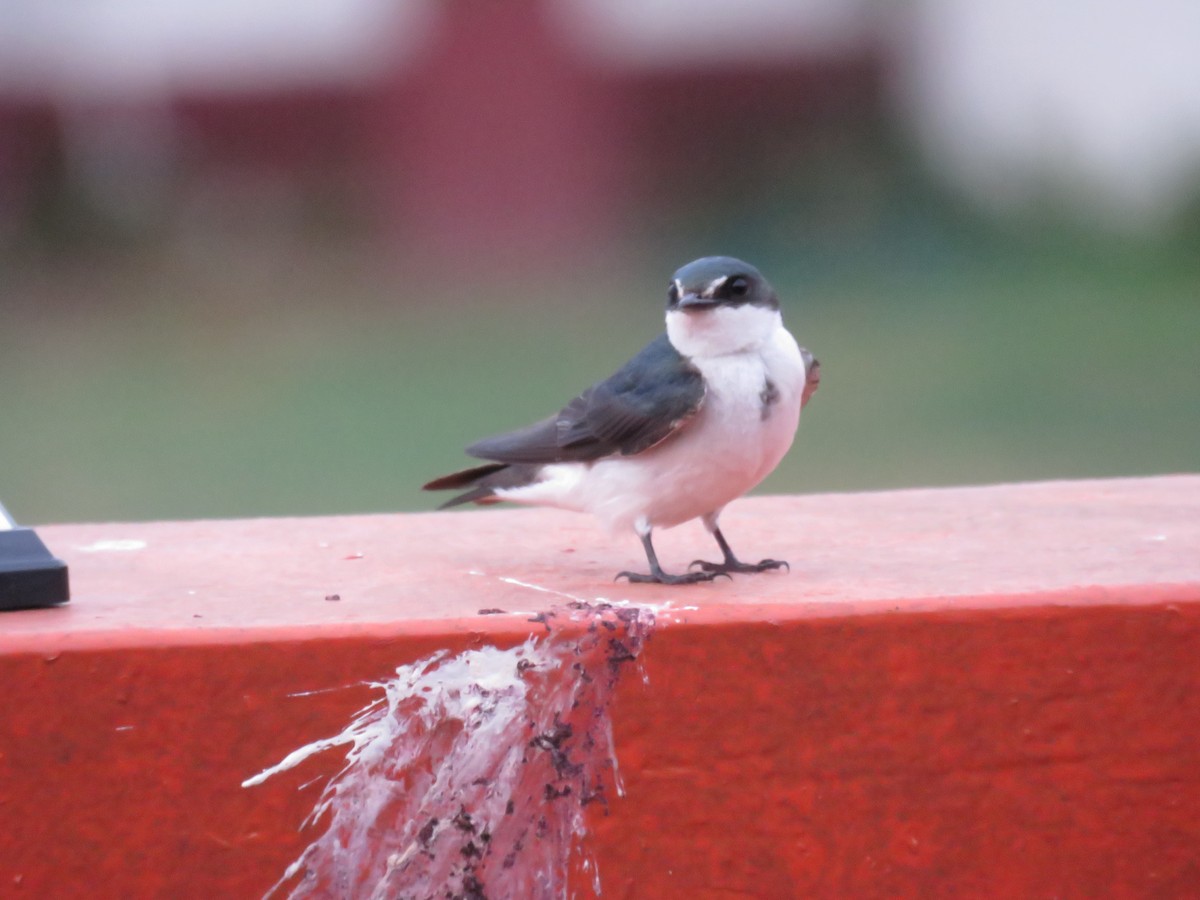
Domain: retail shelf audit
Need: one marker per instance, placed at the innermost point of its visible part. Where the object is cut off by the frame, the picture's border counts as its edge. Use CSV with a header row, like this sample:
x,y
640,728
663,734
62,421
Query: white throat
x,y
721,330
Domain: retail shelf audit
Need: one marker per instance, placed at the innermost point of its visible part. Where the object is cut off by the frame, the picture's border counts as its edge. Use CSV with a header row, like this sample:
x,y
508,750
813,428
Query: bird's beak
x,y
692,300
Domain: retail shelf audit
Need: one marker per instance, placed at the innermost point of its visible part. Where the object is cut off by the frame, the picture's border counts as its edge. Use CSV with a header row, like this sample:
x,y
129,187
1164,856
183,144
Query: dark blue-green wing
x,y
646,401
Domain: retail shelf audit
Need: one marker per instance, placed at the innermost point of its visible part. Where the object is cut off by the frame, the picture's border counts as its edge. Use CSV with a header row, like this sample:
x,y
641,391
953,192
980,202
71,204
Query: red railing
x,y
966,692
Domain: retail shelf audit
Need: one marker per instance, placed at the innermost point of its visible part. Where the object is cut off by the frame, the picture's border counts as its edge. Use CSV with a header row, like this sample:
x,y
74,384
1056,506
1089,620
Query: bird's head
x,y
719,305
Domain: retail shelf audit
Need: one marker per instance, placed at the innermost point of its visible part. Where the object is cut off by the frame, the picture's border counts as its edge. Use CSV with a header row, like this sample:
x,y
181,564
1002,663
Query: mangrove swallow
x,y
697,418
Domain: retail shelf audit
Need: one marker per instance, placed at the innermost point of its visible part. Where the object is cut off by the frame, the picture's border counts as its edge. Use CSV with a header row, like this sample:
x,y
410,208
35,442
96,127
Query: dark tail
x,y
483,482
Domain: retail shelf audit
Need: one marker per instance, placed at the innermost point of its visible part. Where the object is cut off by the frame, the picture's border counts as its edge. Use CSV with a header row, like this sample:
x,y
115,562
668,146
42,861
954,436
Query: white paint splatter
x,y
665,606
114,546
470,775
540,589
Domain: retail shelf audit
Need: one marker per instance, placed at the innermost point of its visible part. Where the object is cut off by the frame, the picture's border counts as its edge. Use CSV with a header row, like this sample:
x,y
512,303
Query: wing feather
x,y
812,377
646,401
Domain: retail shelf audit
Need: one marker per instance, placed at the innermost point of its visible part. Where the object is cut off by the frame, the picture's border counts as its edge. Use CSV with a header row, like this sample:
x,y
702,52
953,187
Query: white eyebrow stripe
x,y
714,285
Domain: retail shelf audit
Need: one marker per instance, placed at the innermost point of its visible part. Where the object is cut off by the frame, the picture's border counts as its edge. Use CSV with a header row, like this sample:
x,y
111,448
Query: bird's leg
x,y
657,575
732,563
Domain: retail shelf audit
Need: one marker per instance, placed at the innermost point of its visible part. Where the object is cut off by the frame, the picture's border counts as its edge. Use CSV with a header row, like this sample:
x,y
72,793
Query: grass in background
x,y
234,386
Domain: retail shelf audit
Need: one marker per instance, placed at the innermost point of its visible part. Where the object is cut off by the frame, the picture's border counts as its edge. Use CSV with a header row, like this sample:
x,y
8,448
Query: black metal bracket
x,y
30,575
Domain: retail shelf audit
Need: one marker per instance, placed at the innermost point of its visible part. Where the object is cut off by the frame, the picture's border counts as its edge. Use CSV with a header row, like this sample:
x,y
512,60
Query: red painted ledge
x,y
965,692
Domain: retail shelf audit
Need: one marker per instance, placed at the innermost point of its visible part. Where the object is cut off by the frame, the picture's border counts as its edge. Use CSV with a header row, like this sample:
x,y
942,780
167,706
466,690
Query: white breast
x,y
737,440
733,443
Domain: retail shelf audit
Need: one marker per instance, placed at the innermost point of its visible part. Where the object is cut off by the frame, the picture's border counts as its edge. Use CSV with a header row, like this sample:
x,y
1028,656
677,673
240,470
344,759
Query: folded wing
x,y
812,379
646,401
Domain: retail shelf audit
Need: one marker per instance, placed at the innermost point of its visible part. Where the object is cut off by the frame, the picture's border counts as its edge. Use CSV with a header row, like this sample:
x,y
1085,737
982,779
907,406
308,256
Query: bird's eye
x,y
673,294
737,286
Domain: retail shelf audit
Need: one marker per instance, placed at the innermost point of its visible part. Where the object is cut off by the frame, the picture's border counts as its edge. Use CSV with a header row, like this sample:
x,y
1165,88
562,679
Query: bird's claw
x,y
735,566
664,578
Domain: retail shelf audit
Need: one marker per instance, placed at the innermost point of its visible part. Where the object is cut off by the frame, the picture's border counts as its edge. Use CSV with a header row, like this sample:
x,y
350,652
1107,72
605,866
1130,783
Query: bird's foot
x,y
664,578
734,565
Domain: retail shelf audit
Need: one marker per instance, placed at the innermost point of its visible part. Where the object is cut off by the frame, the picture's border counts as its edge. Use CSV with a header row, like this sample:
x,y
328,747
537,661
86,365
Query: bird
x,y
697,418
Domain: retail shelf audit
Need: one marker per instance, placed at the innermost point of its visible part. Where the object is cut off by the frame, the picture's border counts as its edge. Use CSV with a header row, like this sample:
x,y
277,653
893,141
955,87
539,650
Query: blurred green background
x,y
299,385
300,358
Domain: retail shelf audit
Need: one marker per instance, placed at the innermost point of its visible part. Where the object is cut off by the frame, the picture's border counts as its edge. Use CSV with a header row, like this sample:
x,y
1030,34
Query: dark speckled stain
x,y
769,396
